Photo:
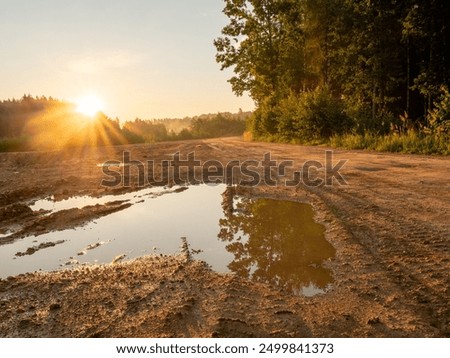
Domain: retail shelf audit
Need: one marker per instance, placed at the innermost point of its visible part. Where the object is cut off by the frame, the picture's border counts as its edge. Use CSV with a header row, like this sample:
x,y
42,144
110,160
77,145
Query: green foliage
x,y
365,121
199,127
383,64
439,117
411,143
185,134
131,136
263,45
221,125
304,117
140,131
263,122
14,144
426,30
312,115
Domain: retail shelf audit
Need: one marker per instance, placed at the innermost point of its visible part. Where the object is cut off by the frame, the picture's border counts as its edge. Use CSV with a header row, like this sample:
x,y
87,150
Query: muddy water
x,y
265,240
277,241
51,205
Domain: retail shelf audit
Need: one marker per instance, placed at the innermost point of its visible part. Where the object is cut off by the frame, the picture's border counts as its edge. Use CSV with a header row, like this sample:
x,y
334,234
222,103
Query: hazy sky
x,y
143,58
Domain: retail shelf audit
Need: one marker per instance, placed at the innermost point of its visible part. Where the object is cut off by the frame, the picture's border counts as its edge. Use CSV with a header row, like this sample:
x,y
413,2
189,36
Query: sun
x,y
89,105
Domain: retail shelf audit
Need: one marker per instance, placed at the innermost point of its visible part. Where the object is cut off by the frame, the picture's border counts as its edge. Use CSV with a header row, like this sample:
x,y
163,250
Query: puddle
x,y
52,205
265,240
276,241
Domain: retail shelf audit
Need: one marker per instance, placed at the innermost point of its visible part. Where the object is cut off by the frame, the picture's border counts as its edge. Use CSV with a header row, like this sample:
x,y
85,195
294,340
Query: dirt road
x,y
389,226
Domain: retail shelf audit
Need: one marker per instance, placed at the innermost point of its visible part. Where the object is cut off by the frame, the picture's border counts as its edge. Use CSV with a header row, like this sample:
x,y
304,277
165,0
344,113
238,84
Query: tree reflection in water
x,y
275,241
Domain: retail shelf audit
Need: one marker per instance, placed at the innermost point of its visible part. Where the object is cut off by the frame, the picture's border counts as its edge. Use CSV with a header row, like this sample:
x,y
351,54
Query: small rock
x,y
93,246
119,258
72,262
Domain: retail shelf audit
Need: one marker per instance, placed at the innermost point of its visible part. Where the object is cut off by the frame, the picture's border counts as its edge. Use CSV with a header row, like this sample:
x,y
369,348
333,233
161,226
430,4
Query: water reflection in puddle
x,y
265,240
52,205
276,241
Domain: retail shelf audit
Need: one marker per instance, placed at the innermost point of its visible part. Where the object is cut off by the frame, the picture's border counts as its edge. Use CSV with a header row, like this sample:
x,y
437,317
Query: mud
x,y
41,246
389,228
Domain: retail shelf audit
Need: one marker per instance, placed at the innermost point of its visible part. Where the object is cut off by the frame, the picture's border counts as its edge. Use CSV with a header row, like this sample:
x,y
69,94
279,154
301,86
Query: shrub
x,y
439,117
263,122
312,115
364,120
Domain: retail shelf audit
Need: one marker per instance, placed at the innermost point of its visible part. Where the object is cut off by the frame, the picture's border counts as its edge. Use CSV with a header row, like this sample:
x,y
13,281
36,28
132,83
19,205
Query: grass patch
x,y
15,144
411,143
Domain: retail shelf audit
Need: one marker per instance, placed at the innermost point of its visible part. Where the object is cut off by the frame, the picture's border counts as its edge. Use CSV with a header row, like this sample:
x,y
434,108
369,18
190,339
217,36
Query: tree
x,y
426,31
263,43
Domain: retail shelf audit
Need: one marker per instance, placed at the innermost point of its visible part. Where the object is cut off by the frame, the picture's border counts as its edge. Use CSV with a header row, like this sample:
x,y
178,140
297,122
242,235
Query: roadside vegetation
x,y
350,73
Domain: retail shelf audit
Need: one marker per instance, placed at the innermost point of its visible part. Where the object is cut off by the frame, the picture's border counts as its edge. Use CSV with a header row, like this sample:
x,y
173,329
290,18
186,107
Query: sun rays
x,y
89,105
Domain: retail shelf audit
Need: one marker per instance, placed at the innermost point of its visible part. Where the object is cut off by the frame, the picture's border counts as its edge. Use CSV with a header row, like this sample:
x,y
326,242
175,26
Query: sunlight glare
x,y
89,105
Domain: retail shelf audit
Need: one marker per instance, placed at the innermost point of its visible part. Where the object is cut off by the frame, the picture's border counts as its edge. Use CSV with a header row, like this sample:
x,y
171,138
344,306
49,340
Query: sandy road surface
x,y
390,226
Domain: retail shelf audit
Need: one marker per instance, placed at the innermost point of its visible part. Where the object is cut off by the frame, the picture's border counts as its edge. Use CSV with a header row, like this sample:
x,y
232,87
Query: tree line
x,y
41,123
322,68
198,127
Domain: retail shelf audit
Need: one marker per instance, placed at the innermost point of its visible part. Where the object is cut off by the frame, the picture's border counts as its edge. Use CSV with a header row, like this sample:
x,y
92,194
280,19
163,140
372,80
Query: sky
x,y
142,58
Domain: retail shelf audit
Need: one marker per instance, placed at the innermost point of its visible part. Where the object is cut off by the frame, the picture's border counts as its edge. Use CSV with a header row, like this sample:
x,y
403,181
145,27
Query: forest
x,y
361,73
41,123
